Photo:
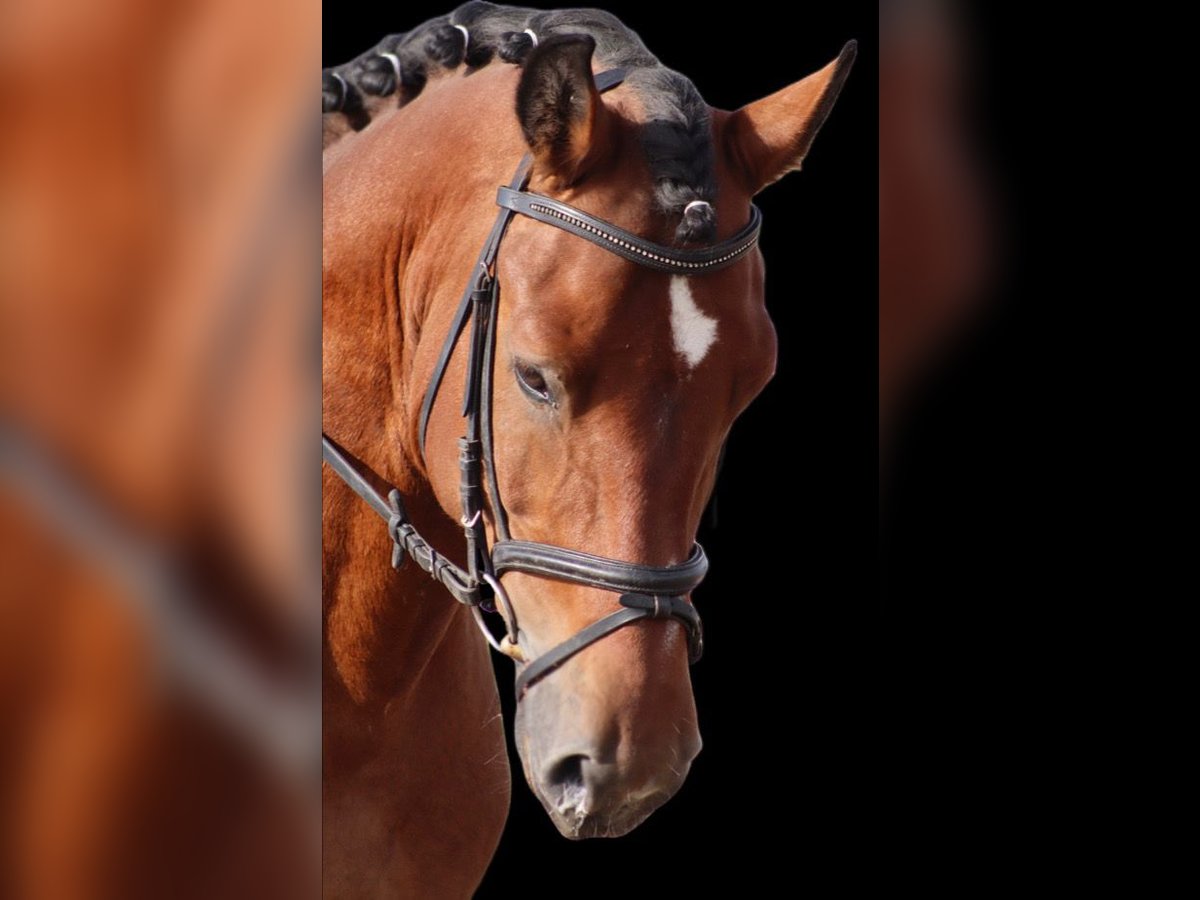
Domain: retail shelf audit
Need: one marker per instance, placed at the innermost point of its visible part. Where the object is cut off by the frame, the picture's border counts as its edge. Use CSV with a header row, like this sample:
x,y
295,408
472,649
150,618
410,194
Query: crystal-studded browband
x,y
617,240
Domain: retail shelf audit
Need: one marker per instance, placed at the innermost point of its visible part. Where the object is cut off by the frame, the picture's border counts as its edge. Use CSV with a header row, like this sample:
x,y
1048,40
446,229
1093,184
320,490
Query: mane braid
x,y
676,134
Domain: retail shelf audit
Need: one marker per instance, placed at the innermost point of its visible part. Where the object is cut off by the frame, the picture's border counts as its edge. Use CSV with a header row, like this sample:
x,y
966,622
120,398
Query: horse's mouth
x,y
575,821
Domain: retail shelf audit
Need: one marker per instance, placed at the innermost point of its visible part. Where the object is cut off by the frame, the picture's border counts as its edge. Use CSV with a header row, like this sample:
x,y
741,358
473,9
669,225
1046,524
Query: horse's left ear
x,y
770,137
559,107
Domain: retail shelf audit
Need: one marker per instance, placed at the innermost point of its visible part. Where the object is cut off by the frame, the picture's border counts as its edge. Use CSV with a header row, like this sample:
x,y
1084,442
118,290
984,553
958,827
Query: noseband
x,y
646,592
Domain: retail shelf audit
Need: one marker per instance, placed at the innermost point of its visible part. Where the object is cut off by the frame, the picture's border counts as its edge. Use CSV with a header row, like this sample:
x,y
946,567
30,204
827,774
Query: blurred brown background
x,y
158,406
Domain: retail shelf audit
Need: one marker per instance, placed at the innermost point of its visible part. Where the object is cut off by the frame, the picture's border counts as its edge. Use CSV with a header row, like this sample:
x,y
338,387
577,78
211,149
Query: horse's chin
x,y
578,826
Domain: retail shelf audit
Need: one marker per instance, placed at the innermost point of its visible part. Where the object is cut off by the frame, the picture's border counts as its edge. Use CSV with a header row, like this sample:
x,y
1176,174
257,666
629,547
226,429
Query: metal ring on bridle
x,y
487,632
506,608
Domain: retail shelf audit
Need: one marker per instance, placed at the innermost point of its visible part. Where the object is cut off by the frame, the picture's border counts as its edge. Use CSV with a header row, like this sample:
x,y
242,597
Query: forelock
x,y
677,138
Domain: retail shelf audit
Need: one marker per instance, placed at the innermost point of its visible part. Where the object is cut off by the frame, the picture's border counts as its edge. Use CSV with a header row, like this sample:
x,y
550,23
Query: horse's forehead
x,y
651,319
575,310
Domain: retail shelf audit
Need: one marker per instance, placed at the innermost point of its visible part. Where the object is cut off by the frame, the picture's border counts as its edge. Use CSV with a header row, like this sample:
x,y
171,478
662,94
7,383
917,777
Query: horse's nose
x,y
593,799
571,783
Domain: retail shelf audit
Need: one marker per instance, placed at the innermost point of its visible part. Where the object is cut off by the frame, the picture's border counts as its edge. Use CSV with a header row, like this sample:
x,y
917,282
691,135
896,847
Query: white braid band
x,y
687,208
532,36
342,84
395,61
466,37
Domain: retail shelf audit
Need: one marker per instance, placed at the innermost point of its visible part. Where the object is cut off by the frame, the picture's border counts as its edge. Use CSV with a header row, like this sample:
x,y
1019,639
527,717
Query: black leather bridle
x,y
646,592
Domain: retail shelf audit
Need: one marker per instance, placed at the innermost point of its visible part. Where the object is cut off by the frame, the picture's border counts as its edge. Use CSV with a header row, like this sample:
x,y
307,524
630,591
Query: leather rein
x,y
646,592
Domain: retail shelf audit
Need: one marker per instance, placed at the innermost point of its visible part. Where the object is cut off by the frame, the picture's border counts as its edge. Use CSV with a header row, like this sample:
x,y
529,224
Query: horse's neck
x,y
382,625
408,203
398,252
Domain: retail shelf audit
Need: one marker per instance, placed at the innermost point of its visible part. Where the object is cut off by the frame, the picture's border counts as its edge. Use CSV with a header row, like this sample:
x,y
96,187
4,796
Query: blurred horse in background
x,y
157,333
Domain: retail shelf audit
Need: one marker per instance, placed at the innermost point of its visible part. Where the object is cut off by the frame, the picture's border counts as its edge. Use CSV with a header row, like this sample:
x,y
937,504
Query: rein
x,y
281,721
645,592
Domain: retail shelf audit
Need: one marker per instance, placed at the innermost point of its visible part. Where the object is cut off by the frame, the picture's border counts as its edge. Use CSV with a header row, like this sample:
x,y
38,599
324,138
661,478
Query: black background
x,y
1006,539
789,689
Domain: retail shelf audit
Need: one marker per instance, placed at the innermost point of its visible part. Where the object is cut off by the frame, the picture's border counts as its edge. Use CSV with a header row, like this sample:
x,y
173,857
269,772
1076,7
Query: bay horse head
x,y
611,384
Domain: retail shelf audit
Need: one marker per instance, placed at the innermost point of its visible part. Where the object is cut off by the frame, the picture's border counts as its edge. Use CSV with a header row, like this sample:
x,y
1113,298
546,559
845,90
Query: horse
x,y
153,292
613,387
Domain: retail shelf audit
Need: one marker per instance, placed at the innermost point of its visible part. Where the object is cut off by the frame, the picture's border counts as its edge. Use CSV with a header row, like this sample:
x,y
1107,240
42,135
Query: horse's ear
x,y
559,107
770,137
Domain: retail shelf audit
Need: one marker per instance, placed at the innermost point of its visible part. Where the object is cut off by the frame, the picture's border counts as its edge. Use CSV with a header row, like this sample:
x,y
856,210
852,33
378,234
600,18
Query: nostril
x,y
567,772
566,784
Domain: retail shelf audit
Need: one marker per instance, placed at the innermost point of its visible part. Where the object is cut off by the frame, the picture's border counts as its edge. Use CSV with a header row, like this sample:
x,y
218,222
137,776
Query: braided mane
x,y
675,133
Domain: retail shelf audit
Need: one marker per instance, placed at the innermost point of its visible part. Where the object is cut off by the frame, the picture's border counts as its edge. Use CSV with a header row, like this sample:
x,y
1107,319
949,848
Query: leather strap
x,y
636,606
627,244
346,471
499,514
609,79
405,539
562,564
480,276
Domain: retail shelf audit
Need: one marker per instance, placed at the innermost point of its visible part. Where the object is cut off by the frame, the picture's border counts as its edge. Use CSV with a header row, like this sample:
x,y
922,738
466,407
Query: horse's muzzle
x,y
589,799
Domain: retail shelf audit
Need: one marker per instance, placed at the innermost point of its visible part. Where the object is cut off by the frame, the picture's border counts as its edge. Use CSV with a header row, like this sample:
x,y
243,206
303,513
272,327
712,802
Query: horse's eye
x,y
532,382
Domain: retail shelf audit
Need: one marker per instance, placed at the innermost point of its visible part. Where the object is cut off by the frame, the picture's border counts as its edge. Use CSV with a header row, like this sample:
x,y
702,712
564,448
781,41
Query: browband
x,y
629,245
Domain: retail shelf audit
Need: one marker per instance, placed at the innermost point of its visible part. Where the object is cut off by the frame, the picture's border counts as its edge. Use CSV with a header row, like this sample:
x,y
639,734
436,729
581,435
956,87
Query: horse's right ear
x,y
559,108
